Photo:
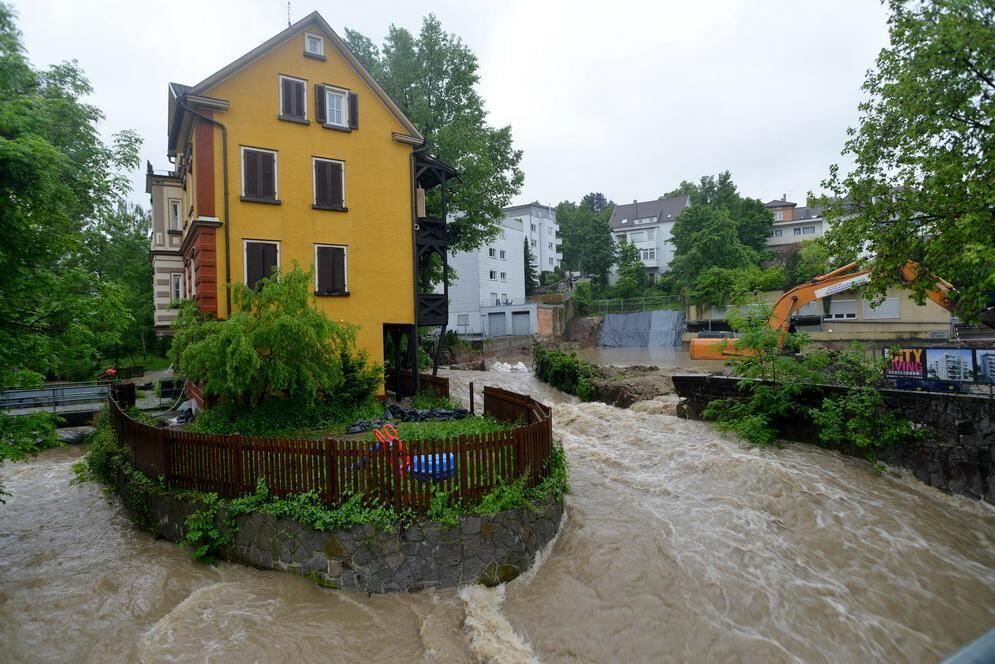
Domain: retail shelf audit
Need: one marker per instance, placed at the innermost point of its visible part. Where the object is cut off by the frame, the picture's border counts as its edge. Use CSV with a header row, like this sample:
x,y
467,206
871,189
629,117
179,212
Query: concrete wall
x,y
479,549
956,455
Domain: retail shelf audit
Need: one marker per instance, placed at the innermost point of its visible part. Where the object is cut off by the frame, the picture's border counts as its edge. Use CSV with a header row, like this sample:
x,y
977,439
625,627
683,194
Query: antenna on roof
x,y
288,13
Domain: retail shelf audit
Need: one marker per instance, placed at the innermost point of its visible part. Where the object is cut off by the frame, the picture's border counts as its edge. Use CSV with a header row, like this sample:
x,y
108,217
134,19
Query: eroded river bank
x,y
680,545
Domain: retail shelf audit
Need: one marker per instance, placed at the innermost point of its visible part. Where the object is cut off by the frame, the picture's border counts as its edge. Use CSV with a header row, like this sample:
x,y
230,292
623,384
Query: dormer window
x,y
314,45
779,215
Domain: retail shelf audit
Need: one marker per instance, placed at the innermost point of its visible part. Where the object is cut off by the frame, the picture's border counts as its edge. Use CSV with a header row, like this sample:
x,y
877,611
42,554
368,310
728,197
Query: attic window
x,y
314,45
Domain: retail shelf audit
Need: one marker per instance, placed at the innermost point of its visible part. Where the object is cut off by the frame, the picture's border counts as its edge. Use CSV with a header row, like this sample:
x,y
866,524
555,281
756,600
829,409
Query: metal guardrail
x,y
55,396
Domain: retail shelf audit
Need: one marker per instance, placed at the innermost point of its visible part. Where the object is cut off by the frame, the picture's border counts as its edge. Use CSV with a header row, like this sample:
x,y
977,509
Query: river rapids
x,y
679,544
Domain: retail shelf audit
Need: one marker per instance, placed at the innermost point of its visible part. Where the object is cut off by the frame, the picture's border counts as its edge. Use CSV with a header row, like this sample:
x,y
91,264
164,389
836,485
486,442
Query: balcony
x,y
431,234
433,309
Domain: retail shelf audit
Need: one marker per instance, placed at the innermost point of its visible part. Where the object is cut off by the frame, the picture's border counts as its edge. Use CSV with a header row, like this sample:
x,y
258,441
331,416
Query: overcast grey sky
x,y
627,98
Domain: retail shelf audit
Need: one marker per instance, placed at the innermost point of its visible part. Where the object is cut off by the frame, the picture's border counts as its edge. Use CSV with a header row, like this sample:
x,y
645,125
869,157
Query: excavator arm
x,y
838,281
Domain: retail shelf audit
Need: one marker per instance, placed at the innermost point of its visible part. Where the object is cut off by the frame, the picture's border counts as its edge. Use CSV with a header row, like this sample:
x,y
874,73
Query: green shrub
x,y
565,371
104,455
275,345
780,381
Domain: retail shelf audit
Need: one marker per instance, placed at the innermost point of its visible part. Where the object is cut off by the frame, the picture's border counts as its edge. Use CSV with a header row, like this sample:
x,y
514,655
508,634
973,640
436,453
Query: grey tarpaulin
x,y
648,328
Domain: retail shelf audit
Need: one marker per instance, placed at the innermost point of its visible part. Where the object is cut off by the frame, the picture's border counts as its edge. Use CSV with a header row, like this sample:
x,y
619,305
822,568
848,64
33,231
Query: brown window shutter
x,y
287,96
324,268
250,168
353,110
322,193
269,258
336,195
319,103
338,269
267,175
299,109
253,263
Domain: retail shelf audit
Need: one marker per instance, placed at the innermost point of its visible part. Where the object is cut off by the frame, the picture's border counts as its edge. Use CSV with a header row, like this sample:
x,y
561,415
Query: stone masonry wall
x,y
480,549
956,456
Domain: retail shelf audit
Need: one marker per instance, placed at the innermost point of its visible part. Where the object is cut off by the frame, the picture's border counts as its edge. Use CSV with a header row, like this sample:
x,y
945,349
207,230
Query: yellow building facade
x,y
293,154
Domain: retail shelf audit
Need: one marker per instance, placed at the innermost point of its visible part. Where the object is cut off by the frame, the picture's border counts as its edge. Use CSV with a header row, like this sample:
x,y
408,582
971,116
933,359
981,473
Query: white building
x,y
166,191
648,225
950,366
541,230
487,298
793,224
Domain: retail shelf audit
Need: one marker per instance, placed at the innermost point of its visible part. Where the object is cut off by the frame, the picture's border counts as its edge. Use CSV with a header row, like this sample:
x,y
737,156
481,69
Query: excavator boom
x,y
839,280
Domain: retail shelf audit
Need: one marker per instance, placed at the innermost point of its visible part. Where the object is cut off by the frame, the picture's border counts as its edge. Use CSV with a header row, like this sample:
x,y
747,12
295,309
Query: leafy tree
x,y
55,175
588,245
596,202
116,249
751,219
808,261
276,344
531,273
632,276
704,236
432,78
923,183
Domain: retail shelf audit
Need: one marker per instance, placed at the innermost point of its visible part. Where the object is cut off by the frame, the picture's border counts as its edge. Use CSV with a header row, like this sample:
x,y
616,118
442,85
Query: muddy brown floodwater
x,y
679,544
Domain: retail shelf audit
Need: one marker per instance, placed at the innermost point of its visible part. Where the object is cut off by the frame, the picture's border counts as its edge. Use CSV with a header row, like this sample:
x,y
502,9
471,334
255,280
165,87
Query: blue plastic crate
x,y
433,466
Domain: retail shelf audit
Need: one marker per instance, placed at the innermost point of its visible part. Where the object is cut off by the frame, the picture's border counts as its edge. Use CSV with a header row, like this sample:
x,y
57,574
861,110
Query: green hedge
x,y
565,371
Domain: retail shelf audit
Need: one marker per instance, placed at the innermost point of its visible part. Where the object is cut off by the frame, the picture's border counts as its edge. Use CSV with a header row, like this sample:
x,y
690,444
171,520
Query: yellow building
x,y
294,154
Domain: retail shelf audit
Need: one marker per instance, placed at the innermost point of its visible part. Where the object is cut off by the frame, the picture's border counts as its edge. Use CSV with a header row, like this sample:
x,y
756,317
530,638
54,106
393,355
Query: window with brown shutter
x,y
329,184
259,176
330,270
293,99
261,259
336,108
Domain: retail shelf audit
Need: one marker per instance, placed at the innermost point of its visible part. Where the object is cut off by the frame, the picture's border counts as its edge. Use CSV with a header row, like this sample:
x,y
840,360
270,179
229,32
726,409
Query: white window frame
x,y
492,275
279,86
533,244
331,91
503,255
321,44
550,261
797,230
494,299
778,232
175,288
179,214
504,276
491,252
245,256
314,181
345,263
808,230
462,320
779,215
276,168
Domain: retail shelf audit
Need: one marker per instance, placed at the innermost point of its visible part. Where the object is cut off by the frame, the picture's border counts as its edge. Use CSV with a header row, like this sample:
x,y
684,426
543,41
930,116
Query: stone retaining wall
x,y
480,549
956,456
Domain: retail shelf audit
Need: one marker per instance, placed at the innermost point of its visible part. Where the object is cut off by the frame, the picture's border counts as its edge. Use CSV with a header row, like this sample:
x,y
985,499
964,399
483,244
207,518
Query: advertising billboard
x,y
905,363
952,365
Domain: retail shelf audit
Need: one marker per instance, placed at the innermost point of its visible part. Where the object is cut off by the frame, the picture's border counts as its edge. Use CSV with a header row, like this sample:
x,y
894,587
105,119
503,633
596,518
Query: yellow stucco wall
x,y
376,228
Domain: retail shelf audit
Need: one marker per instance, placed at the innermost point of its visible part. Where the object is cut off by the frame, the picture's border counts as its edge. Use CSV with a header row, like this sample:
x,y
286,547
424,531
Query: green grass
x,y
466,426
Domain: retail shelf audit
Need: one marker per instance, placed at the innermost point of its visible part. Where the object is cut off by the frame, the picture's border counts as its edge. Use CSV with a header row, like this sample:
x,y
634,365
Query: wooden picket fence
x,y
338,469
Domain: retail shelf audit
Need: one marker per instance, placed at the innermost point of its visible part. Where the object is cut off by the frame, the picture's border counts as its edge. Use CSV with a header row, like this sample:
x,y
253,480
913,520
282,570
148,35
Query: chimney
x,y
784,197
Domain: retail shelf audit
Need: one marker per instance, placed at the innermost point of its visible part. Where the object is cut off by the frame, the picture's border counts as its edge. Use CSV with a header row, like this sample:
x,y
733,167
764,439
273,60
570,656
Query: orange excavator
x,y
831,283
